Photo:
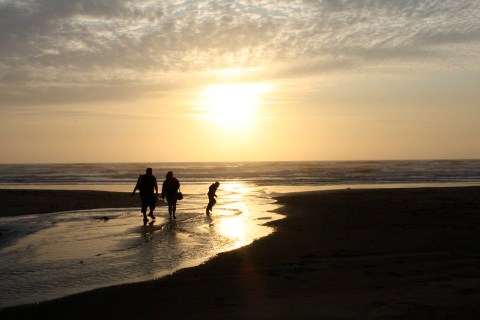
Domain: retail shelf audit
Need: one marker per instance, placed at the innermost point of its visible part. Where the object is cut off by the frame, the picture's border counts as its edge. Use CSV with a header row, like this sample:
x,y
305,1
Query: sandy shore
x,y
349,254
19,202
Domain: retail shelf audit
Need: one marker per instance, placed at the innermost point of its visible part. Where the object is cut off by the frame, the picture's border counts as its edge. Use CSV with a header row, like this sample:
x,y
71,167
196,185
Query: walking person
x,y
170,191
148,187
211,196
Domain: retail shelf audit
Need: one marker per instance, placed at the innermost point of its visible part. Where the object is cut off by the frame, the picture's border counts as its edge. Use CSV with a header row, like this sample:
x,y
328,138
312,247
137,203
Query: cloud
x,y
101,45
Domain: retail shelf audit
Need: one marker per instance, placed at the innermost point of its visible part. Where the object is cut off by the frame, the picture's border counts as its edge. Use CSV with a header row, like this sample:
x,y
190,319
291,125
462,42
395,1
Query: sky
x,y
261,80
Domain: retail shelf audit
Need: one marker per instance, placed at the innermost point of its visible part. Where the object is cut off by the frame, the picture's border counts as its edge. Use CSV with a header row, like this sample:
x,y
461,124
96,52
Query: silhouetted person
x,y
170,191
211,196
147,185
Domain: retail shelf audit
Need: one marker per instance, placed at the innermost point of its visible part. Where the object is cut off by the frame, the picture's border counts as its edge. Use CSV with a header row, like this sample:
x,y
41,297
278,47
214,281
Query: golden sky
x,y
122,81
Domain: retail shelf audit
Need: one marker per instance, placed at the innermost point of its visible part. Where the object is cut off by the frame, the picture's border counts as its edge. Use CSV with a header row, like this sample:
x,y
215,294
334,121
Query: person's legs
x,y
169,209
172,206
151,205
213,201
150,214
144,208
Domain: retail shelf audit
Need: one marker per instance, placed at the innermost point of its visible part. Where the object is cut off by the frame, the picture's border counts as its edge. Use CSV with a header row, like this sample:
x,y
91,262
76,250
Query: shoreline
x,y
24,201
359,253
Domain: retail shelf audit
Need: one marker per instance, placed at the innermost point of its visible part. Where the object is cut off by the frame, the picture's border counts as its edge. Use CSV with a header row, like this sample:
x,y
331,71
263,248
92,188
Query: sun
x,y
232,105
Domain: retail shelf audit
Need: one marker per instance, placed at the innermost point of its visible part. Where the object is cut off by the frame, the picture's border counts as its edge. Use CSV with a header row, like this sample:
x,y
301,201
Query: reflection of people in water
x,y
211,196
146,184
170,191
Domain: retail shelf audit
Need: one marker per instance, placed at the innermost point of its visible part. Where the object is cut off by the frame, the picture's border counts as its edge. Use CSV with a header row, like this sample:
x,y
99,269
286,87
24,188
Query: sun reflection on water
x,y
233,214
112,246
233,227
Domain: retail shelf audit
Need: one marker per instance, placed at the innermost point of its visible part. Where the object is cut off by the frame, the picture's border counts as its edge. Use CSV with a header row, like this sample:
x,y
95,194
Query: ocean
x,y
47,256
121,176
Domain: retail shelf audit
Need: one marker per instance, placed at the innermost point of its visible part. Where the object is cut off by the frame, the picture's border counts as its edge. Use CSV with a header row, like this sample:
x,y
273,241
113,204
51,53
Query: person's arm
x,y
136,186
156,188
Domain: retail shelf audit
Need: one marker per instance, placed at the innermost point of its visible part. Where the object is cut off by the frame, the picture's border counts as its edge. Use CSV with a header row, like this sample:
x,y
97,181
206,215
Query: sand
x,y
20,202
347,254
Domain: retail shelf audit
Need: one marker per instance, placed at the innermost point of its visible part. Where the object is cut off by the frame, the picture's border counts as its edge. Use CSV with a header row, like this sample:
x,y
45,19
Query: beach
x,y
21,202
343,254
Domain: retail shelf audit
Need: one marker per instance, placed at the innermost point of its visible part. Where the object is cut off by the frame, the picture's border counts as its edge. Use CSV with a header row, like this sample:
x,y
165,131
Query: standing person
x,y
211,196
147,184
170,191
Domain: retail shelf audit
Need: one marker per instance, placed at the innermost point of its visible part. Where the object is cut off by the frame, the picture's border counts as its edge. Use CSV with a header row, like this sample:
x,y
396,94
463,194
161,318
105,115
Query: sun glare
x,y
233,227
232,105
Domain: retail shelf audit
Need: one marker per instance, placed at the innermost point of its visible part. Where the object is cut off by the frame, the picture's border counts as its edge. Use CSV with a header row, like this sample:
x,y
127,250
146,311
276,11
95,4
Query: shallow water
x,y
46,256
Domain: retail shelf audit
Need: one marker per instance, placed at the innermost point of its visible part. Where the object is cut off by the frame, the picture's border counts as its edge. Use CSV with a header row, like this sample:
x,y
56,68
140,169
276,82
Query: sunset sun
x,y
232,105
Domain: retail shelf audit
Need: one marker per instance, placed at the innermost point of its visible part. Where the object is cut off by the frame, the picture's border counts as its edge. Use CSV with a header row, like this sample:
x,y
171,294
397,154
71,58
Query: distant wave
x,y
309,173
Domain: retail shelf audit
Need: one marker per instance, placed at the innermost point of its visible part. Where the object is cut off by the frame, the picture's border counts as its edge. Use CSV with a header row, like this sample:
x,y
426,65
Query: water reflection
x,y
235,214
52,255
234,229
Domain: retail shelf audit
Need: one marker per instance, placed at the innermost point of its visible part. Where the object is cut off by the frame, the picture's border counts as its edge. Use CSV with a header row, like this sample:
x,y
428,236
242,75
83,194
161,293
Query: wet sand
x,y
347,254
20,202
